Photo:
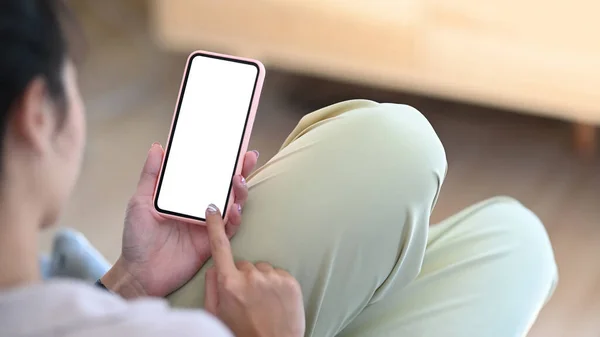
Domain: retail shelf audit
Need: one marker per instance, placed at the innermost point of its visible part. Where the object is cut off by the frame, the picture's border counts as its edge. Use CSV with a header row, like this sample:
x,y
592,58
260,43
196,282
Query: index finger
x,y
219,242
250,160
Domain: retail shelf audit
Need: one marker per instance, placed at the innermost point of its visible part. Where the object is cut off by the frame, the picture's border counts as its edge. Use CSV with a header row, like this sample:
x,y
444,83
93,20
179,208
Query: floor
x,y
130,87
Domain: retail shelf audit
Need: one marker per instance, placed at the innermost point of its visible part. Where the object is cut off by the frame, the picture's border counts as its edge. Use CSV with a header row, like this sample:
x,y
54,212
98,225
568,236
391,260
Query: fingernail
x,y
212,209
156,143
243,181
257,154
239,207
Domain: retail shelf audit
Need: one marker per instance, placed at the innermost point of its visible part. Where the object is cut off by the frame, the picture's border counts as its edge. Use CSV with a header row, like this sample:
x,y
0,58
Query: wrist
x,y
121,281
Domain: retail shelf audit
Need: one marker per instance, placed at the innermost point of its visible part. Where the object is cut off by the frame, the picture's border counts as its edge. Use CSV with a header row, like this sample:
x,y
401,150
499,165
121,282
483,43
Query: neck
x,y
18,244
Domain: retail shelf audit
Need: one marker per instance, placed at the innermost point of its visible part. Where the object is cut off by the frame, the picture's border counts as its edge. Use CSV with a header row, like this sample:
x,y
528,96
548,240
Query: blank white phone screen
x,y
207,136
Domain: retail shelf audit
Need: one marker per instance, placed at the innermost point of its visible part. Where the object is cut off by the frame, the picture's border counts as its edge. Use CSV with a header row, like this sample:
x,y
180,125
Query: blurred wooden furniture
x,y
535,56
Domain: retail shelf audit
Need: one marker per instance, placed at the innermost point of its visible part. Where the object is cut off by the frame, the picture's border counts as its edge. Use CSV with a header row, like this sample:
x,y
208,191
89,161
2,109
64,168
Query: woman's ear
x,y
33,116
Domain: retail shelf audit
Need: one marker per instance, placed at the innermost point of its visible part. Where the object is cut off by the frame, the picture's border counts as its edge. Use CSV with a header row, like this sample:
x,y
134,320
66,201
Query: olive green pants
x,y
345,207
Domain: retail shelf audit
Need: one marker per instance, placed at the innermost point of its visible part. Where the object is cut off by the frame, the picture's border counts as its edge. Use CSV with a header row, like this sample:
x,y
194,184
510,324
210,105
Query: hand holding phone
x,y
213,119
161,254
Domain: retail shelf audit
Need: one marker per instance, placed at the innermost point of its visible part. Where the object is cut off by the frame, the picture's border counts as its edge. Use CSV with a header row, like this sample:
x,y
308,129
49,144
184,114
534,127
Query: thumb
x,y
150,171
211,298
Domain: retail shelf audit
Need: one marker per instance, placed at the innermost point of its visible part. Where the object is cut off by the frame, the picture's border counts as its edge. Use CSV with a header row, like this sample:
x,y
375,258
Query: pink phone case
x,y
247,130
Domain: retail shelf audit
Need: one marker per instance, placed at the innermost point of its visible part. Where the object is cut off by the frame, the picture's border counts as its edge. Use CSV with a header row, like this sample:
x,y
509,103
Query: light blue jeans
x,y
73,256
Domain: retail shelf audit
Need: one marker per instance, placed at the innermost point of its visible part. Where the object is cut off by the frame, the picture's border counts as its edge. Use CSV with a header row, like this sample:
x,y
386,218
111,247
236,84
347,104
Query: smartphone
x,y
209,135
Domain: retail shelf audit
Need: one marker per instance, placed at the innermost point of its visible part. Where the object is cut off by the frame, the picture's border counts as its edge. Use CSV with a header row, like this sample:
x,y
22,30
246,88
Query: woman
x,y
344,207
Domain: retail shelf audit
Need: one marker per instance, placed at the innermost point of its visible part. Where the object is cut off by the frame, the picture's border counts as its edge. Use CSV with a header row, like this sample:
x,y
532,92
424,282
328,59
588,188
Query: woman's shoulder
x,y
74,308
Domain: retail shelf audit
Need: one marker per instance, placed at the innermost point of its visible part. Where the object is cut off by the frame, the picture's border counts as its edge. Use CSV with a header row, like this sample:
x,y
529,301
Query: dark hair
x,y
33,44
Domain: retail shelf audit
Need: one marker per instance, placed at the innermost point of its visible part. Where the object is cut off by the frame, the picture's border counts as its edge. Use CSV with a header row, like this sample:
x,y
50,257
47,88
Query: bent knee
x,y
516,221
380,131
522,235
402,143
396,128
395,132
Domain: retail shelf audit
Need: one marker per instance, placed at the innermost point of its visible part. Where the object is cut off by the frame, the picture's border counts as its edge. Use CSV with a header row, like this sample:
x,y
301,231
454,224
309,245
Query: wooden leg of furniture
x,y
584,139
